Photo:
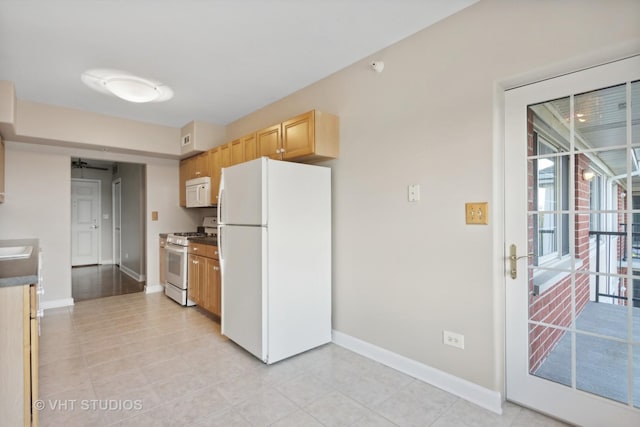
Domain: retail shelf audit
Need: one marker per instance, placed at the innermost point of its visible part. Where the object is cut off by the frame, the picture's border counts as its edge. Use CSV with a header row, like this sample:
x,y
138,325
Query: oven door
x,y
176,265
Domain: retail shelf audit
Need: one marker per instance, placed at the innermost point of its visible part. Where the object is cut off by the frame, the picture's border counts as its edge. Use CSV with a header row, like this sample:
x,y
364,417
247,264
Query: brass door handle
x,y
513,260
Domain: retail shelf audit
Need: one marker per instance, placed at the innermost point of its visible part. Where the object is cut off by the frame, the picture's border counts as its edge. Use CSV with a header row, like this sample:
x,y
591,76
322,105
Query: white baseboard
x,y
56,303
488,399
150,289
106,261
134,275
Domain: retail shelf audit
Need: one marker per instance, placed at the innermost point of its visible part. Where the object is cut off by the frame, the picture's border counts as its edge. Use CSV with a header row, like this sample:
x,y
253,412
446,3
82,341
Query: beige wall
x,y
404,271
38,205
69,127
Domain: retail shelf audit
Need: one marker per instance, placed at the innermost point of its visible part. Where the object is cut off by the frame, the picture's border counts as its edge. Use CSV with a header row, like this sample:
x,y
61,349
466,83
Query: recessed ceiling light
x,y
126,86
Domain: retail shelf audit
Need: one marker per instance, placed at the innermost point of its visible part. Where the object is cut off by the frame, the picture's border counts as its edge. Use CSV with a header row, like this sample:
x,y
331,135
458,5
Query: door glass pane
x,y
584,234
602,367
550,354
636,372
550,297
600,118
605,313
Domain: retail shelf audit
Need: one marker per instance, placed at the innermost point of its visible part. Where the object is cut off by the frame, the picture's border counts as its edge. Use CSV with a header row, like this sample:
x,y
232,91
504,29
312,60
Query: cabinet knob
x,y
194,261
195,249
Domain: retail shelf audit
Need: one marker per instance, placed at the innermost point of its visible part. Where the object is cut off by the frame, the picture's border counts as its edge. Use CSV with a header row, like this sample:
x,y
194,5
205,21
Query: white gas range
x,y
176,252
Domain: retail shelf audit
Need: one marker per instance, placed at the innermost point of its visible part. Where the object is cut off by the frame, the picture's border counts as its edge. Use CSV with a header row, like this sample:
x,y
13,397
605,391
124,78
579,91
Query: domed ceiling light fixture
x,y
126,86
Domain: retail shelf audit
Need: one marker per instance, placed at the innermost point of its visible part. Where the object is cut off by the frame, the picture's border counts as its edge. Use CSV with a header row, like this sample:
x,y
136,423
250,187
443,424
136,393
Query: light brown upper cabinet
x,y
237,151
201,166
269,142
215,164
1,171
250,147
311,136
225,155
193,167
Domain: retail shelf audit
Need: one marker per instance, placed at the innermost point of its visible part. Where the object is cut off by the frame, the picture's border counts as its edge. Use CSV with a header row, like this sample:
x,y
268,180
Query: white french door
x,y
572,172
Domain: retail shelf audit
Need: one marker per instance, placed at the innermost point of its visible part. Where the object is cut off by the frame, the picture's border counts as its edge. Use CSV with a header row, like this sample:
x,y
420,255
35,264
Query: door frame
x,y
501,247
99,209
117,181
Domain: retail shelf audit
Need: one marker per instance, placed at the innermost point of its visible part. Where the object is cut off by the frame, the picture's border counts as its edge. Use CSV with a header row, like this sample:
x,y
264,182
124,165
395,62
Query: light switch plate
x,y
154,215
477,213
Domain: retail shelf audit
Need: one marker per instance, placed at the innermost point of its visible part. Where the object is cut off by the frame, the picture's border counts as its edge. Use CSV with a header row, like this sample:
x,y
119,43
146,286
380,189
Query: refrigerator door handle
x,y
220,202
220,252
220,206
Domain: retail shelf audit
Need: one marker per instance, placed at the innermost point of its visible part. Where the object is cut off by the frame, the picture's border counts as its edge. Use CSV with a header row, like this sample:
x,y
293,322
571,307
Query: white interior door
x,y
117,222
85,222
572,156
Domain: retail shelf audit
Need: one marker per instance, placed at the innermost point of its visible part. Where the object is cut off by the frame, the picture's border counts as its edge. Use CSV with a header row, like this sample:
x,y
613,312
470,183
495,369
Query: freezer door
x,y
243,195
243,269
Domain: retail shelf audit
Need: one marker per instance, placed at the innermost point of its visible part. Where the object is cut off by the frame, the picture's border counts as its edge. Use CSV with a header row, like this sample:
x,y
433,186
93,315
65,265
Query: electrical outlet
x,y
477,213
414,192
453,339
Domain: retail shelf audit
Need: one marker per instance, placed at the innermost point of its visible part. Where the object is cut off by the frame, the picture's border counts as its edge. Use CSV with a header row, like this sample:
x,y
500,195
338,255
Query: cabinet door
x,y
298,136
33,356
190,164
269,142
193,278
237,152
214,288
206,285
201,165
215,165
225,155
250,148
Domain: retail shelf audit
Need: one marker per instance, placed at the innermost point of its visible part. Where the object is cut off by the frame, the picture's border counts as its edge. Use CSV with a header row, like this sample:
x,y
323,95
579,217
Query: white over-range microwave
x,y
199,192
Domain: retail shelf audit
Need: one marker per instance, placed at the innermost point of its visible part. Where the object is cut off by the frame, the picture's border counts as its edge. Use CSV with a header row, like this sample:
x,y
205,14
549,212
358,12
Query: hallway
x,y
98,281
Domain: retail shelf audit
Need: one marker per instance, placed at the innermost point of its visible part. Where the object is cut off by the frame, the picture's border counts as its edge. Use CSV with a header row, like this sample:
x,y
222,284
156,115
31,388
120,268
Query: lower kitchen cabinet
x,y
18,355
195,277
203,275
213,289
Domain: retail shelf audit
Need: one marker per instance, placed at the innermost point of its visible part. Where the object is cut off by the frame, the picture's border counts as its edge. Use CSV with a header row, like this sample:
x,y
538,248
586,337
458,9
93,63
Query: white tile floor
x,y
142,360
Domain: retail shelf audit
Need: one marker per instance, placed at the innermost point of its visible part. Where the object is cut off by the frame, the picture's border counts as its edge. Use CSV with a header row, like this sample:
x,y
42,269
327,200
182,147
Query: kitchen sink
x,y
15,252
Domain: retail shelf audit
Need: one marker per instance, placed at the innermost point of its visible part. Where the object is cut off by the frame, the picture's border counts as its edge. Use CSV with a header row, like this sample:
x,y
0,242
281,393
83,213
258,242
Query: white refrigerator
x,y
274,242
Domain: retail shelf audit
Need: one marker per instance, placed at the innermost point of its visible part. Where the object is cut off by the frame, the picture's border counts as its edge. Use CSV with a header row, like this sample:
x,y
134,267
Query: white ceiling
x,y
223,58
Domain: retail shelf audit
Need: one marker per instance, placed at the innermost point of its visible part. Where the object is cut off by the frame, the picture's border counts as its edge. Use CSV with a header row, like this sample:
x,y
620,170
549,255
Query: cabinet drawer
x,y
201,249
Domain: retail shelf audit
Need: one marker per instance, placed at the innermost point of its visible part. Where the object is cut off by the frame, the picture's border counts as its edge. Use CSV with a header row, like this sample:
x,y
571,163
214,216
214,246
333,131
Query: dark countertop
x,y
17,272
204,240
163,235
